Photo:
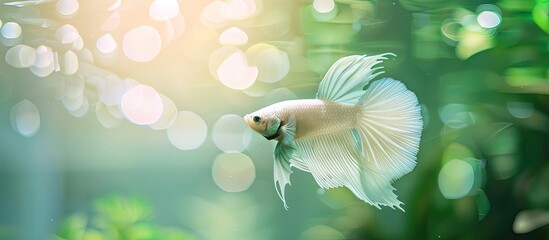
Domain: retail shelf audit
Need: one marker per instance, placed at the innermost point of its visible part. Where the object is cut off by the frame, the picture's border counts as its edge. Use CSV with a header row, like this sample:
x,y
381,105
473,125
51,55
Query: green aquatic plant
x,y
117,218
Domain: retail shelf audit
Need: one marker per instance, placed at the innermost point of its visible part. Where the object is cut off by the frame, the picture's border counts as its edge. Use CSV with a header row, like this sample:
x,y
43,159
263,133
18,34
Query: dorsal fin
x,y
345,80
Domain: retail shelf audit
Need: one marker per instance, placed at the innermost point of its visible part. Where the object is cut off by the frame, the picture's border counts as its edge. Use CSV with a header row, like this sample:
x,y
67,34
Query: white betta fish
x,y
347,136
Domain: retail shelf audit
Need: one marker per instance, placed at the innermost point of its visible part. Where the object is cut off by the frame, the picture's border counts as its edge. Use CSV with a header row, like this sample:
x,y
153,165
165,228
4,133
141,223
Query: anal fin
x,y
334,161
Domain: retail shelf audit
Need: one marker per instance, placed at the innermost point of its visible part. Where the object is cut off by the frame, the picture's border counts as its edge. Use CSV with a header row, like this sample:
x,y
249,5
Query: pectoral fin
x,y
282,155
288,130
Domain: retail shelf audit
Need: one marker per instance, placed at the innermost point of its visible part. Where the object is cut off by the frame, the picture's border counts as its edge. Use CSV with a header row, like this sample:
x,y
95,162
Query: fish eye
x,y
257,119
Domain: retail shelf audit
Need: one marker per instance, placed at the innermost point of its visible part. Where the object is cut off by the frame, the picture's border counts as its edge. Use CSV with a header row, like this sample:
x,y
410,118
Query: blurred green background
x,y
120,119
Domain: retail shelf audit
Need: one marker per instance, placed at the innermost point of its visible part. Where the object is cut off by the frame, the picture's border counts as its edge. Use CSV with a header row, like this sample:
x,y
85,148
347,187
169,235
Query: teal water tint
x,y
121,119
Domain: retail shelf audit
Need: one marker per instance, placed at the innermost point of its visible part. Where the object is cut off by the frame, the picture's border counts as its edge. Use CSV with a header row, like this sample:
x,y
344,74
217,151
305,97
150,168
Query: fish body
x,y
361,139
315,116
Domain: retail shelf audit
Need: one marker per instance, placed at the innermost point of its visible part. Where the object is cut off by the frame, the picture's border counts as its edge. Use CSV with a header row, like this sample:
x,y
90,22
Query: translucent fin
x,y
282,155
333,160
288,130
389,128
356,137
345,80
298,163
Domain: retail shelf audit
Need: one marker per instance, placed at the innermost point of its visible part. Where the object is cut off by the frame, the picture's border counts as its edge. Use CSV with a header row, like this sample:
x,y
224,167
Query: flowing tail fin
x,y
389,130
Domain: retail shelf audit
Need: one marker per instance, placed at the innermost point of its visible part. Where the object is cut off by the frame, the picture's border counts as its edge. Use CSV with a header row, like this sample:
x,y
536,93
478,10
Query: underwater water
x,y
122,119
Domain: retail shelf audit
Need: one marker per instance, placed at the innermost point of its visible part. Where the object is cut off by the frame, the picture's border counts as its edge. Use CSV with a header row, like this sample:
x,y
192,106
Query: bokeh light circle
x,y
188,131
178,25
488,19
21,56
233,36
142,44
106,44
105,118
272,63
116,111
25,118
168,115
11,30
73,104
323,6
168,32
233,172
259,89
70,63
520,109
82,110
74,86
456,115
234,72
44,64
218,56
212,15
228,133
85,55
78,43
161,10
275,23
111,88
111,23
456,179
44,56
67,34
142,105
279,95
240,9
67,7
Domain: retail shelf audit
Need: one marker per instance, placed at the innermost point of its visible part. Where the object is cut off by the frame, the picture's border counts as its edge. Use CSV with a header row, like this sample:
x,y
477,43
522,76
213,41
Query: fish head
x,y
263,122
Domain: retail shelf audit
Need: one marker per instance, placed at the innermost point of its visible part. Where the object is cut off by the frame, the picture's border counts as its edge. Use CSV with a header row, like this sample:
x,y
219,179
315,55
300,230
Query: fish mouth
x,y
248,119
